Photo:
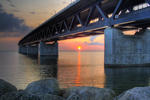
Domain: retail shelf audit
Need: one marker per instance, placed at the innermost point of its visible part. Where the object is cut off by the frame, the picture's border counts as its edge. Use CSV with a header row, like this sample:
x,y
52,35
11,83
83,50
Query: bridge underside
x,y
92,17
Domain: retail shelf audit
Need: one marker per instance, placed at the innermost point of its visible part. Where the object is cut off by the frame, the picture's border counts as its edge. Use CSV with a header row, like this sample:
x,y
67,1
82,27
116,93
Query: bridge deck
x,y
91,17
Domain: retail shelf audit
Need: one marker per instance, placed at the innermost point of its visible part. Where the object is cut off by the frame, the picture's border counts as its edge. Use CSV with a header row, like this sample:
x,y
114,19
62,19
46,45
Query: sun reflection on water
x,y
77,81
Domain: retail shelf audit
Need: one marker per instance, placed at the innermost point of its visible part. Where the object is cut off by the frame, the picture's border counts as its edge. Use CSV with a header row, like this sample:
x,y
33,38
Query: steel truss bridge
x,y
90,17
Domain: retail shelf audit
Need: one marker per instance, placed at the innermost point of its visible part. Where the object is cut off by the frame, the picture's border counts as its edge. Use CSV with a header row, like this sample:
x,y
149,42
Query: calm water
x,y
71,69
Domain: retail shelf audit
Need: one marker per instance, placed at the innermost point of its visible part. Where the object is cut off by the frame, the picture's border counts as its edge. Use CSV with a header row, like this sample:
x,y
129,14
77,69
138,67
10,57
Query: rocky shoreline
x,y
48,89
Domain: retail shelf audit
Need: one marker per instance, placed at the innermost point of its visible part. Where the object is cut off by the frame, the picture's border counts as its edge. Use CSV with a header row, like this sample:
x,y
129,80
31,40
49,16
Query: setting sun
x,y
79,47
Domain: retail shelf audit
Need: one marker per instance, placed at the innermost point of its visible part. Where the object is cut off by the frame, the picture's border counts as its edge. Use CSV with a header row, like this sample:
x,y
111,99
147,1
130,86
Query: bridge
x,y
93,17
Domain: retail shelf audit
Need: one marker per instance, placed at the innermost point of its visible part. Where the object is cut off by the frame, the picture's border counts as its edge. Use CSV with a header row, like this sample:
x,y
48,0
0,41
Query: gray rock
x,y
88,93
46,86
19,95
138,93
6,87
51,97
22,95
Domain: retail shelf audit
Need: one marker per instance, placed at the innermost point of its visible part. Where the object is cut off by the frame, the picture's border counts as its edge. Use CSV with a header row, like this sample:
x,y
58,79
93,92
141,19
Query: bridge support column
x,y
48,49
23,49
124,50
32,50
28,50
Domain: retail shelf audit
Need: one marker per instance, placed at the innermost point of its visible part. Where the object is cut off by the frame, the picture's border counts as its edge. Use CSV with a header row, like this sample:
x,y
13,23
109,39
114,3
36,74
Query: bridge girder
x,y
123,14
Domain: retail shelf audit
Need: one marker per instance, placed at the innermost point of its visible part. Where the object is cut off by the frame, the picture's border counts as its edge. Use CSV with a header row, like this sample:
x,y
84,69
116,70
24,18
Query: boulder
x,y
137,93
23,95
19,95
46,86
88,93
51,97
6,87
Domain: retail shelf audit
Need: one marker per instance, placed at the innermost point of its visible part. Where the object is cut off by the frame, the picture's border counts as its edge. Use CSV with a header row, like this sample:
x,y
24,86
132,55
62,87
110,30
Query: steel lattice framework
x,y
91,17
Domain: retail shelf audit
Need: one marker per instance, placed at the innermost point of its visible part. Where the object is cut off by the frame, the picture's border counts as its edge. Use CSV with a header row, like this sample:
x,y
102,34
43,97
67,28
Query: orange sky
x,y
35,15
10,43
74,43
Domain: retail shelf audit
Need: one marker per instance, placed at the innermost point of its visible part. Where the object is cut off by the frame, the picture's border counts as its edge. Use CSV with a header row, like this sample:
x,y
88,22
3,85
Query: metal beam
x,y
61,25
71,23
117,8
80,21
148,1
138,15
66,25
101,12
89,15
123,19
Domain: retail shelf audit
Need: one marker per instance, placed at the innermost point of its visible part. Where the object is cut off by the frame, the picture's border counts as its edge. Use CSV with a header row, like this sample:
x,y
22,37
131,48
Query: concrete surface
x,y
125,50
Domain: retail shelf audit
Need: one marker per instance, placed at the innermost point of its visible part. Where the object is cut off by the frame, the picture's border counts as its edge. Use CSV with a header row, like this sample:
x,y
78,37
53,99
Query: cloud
x,y
93,43
11,3
1,9
93,38
15,10
8,0
64,2
11,25
32,13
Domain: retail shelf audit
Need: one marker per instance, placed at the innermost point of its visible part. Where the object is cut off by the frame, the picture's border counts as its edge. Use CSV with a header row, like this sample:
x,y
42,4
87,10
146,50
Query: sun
x,y
79,47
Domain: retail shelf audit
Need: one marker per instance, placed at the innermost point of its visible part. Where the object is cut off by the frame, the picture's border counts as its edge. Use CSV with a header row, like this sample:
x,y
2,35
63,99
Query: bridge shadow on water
x,y
47,65
121,79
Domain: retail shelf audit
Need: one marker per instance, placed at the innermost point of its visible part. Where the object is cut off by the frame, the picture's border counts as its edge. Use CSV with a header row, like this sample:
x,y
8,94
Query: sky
x,y
19,17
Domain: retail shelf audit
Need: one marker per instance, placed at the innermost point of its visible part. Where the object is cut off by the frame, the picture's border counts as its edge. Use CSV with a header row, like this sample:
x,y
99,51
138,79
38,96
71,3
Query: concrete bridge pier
x,y
20,49
126,50
32,50
23,49
29,50
48,49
